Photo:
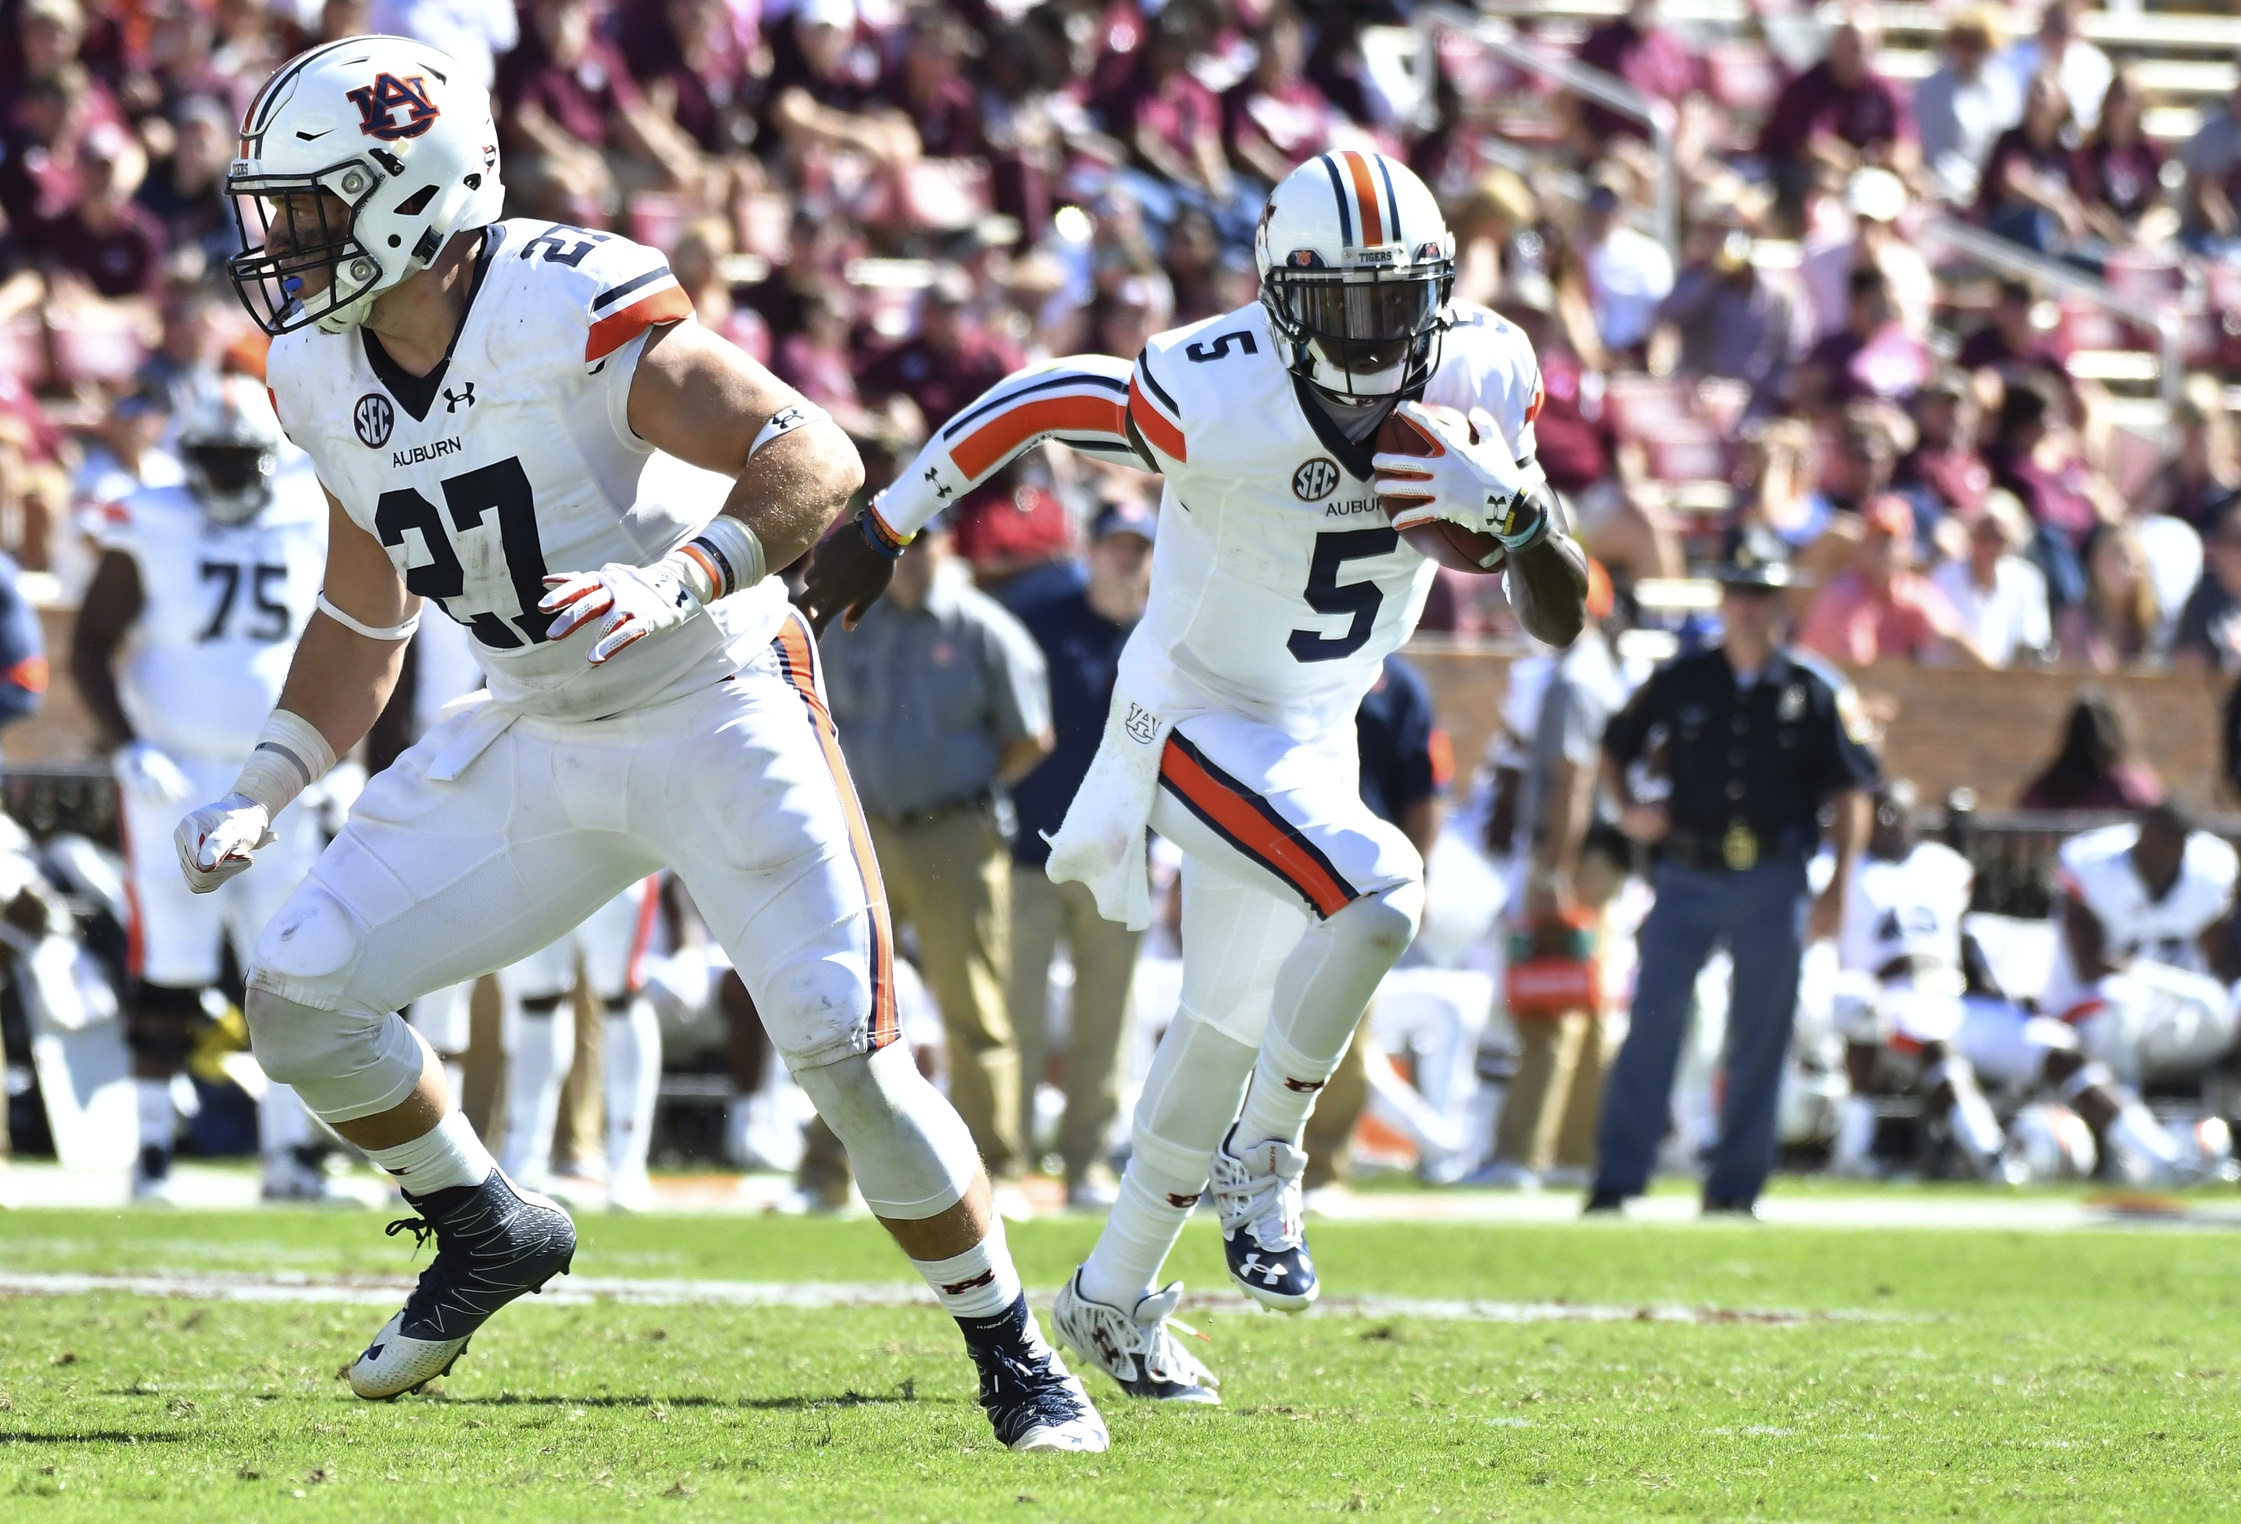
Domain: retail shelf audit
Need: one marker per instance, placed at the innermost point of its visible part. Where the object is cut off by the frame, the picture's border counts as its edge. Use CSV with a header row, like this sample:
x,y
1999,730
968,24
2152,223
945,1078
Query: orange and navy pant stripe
x,y
1249,823
797,659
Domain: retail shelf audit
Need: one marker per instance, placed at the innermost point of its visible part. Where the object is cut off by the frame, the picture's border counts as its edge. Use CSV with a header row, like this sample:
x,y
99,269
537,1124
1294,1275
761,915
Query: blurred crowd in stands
x,y
892,204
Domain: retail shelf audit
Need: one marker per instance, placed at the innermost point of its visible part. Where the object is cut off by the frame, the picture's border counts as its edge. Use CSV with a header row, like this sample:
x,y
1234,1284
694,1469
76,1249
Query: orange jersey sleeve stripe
x,y
1154,426
798,658
1245,821
1365,198
986,446
612,332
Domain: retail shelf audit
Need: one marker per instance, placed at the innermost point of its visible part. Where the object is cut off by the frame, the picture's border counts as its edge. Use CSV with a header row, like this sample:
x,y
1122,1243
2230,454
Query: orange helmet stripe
x,y
1365,198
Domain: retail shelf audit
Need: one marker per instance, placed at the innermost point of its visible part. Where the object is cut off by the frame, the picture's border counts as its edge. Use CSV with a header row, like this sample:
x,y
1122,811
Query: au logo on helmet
x,y
379,102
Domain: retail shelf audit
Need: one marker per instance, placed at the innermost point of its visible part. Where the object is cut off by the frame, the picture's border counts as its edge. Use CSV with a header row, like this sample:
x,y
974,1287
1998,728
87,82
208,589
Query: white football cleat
x,y
1137,1349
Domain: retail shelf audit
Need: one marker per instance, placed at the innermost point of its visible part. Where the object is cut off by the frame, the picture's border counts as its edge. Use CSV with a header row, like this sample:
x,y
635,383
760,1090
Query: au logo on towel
x,y
1142,725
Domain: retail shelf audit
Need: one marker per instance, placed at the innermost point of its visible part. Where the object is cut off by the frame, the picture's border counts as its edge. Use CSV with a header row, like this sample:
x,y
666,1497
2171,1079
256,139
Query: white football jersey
x,y
1910,907
221,609
2096,868
515,458
1278,587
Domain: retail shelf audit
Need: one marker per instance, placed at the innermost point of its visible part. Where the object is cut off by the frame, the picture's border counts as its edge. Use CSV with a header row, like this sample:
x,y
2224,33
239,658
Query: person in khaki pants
x,y
1575,864
1081,628
942,703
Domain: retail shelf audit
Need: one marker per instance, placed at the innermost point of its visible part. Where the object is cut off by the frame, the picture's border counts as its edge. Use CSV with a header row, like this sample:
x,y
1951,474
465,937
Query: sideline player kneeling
x,y
481,399
1279,586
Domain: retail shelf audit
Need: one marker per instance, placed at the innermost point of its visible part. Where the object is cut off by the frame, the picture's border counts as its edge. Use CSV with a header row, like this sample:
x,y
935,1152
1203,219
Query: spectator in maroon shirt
x,y
947,363
577,134
2118,173
1641,50
1274,118
824,88
1943,474
932,90
814,360
1839,112
106,239
689,59
1169,120
47,106
2026,194
2011,341
1872,355
2065,496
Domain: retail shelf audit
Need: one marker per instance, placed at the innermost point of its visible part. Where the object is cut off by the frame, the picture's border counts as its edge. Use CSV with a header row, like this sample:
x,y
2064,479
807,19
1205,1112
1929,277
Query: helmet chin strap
x,y
1357,388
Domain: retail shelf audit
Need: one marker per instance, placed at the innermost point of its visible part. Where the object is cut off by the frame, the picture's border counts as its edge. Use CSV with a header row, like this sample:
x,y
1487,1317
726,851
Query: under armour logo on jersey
x,y
379,102
465,394
941,488
373,418
1270,1274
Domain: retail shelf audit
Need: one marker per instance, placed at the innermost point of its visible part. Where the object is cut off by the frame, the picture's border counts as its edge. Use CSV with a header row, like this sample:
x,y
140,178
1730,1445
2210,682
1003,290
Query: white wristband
x,y
784,422
370,631
727,554
291,755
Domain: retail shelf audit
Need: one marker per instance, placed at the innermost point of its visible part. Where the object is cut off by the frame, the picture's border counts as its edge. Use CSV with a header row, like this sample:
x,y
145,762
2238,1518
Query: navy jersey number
x,y
272,622
503,487
1219,349
1325,594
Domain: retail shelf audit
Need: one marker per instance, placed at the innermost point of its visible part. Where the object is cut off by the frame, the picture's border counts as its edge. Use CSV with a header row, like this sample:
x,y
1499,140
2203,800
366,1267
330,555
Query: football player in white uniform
x,y
1902,993
481,400
1278,589
541,1045
181,645
2143,968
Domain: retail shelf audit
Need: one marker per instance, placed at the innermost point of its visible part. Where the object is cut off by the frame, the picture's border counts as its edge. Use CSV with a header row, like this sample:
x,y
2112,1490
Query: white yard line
x,y
578,1291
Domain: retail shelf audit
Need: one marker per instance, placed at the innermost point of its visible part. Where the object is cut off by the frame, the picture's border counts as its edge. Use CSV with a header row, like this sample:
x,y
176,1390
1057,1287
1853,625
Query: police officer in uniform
x,y
1757,740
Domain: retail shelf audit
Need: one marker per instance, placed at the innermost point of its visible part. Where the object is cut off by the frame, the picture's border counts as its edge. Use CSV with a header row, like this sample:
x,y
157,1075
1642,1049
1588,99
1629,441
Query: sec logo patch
x,y
1315,479
373,417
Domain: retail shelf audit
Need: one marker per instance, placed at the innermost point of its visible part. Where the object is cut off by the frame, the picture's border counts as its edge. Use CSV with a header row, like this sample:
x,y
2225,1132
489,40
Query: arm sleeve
x,y
1084,402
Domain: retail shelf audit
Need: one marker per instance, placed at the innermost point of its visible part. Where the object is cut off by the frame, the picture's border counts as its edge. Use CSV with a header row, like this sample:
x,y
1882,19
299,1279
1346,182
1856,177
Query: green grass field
x,y
1964,1374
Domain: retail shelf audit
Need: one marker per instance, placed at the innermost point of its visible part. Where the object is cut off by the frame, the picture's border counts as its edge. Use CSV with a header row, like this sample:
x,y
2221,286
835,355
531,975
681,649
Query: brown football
x,y
1451,545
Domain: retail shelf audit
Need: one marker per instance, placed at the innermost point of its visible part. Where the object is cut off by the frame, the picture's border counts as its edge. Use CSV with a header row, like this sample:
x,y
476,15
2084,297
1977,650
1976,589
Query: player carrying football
x,y
1279,586
481,400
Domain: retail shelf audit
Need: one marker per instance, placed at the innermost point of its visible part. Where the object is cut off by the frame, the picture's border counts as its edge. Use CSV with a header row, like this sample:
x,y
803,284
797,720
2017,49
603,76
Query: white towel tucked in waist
x,y
1101,841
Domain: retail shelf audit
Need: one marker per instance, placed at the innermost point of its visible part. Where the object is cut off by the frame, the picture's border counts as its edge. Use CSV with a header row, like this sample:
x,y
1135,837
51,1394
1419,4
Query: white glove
x,y
220,840
1471,481
638,600
143,770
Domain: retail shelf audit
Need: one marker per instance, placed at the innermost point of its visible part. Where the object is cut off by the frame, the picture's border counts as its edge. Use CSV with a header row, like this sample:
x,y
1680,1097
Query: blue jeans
x,y
1760,915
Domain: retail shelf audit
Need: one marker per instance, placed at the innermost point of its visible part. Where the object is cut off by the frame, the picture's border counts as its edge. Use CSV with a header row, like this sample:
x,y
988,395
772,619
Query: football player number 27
x,y
1325,594
502,488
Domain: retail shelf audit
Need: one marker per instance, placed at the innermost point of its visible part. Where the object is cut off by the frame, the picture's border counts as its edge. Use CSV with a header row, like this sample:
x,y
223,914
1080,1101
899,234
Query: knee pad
x,y
165,1022
1386,920
345,1064
912,1155
816,1010
1190,1098
308,951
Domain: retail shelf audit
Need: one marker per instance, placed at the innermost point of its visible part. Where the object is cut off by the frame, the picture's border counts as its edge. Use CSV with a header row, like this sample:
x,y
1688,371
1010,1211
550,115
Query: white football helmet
x,y
359,160
229,443
2046,1144
1356,264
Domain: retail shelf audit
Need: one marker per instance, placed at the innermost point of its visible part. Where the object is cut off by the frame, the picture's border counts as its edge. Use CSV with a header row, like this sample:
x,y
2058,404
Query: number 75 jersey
x,y
515,458
1278,587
